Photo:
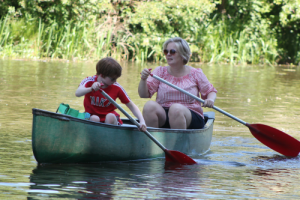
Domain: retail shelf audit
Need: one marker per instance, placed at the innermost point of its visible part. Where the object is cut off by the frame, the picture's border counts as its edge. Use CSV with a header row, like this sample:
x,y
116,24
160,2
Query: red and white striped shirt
x,y
97,104
195,82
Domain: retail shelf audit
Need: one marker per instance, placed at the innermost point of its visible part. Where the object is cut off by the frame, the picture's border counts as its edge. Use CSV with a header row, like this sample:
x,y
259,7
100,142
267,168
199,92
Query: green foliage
x,y
230,31
154,22
276,21
64,11
290,12
288,33
77,40
8,7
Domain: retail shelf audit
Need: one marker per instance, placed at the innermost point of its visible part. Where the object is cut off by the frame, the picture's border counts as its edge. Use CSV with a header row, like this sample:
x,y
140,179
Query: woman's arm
x,y
136,111
209,99
143,87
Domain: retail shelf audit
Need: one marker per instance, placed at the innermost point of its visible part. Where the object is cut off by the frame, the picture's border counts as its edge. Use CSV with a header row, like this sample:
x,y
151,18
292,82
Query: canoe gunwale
x,y
209,115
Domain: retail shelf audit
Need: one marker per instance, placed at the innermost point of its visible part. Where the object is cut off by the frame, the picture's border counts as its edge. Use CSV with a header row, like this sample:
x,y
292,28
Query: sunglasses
x,y
172,51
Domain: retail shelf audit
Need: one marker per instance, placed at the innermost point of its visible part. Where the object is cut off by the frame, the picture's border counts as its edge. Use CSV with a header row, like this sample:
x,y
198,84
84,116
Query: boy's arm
x,y
82,90
136,111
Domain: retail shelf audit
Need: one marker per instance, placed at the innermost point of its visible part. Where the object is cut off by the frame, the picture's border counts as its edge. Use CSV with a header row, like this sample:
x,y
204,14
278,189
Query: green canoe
x,y
60,138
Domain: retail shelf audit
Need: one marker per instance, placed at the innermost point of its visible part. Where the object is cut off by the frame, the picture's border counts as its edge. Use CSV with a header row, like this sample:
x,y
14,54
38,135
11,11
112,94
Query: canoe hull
x,y
58,138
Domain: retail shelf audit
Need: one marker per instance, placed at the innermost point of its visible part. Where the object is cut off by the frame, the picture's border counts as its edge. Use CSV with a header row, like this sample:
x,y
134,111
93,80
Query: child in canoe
x,y
101,110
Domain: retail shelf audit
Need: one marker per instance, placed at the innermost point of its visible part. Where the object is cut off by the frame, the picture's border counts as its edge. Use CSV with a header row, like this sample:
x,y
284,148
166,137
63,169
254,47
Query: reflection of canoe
x,y
59,138
108,180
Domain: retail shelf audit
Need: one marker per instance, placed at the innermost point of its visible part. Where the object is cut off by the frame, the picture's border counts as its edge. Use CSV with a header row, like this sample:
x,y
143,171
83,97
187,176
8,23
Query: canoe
x,y
60,138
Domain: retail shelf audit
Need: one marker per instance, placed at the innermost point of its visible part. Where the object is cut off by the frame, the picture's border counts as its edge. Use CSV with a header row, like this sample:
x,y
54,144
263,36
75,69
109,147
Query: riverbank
x,y
62,43
254,32
142,63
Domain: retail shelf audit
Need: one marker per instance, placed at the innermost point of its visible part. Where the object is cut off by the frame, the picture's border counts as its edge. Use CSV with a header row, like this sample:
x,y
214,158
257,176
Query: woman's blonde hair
x,y
182,47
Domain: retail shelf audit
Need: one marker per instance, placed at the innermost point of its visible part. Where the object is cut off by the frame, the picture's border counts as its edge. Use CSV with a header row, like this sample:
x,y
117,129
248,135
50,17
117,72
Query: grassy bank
x,y
33,39
36,40
227,31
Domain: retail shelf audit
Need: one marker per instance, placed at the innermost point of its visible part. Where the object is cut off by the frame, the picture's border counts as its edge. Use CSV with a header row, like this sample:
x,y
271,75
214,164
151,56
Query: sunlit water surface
x,y
236,167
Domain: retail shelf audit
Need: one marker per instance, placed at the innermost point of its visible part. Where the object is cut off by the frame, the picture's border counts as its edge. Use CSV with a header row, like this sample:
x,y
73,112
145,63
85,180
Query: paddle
x,y
271,137
171,155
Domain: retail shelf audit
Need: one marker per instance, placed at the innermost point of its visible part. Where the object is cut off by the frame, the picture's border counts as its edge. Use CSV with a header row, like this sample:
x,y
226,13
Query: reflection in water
x,y
277,177
115,180
273,182
277,161
236,167
75,181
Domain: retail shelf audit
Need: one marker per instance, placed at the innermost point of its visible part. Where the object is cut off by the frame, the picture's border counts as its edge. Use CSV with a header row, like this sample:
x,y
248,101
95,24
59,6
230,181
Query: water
x,y
236,167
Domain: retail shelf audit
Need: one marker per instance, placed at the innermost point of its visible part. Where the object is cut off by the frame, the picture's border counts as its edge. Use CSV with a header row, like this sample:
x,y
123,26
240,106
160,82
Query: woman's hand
x,y
145,73
208,103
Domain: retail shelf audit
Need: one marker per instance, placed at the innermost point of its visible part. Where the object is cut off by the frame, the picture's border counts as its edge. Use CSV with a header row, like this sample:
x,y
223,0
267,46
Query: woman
x,y
172,108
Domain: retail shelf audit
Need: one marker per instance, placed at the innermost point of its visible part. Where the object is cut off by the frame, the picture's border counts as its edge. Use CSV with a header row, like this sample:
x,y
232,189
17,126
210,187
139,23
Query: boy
x,y
101,110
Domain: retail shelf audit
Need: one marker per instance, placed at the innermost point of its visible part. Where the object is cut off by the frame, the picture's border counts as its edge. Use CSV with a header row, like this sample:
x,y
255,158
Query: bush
x,y
231,31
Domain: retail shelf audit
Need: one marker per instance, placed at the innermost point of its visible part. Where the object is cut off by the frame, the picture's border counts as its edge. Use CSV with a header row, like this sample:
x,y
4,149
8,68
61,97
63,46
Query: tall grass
x,y
237,48
89,40
73,41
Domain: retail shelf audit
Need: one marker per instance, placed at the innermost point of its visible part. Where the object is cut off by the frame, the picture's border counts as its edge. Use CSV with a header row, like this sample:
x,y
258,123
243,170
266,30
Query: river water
x,y
237,166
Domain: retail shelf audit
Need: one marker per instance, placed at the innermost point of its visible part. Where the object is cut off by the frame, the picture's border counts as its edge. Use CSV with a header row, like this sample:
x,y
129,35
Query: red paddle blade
x,y
275,139
178,157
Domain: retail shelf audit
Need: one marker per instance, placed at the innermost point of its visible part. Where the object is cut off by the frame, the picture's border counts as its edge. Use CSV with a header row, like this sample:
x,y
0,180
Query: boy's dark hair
x,y
109,67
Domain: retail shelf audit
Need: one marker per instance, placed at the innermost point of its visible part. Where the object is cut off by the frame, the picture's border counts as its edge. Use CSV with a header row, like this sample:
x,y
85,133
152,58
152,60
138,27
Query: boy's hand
x,y
143,127
96,86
